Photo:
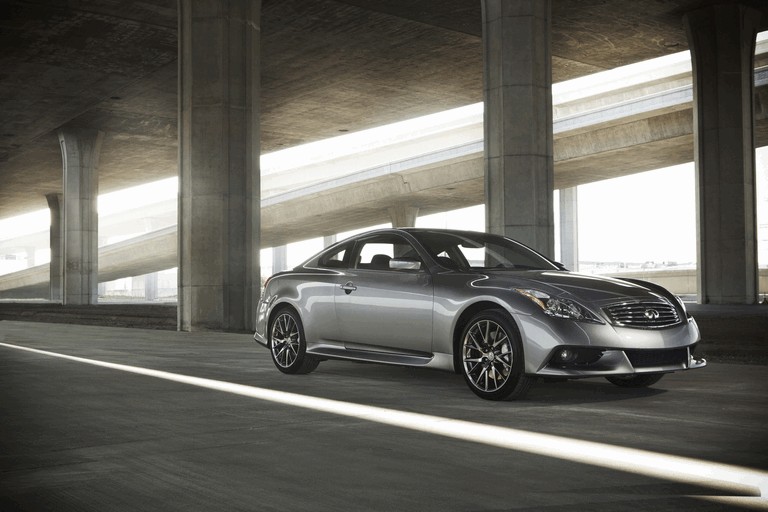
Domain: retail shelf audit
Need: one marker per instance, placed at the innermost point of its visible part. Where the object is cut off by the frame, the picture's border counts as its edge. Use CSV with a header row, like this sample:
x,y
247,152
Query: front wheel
x,y
635,381
288,345
492,357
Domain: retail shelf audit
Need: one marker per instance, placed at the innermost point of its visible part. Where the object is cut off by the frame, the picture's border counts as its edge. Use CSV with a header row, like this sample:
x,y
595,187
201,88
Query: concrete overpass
x,y
328,67
436,165
101,78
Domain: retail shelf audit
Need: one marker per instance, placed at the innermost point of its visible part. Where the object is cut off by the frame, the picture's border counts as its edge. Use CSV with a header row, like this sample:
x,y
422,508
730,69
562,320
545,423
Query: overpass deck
x,y
614,123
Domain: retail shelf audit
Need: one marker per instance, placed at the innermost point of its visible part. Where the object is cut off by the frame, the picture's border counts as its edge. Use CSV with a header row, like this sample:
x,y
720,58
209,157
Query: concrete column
x,y
29,252
722,42
150,286
219,194
403,216
279,258
329,240
103,289
569,228
55,204
519,165
80,149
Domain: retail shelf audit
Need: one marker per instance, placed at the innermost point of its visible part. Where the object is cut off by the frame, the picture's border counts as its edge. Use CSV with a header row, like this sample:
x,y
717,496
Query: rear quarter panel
x,y
311,295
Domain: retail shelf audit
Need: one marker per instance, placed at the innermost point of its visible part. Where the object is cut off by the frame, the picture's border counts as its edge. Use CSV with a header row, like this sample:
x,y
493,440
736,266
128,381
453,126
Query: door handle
x,y
348,288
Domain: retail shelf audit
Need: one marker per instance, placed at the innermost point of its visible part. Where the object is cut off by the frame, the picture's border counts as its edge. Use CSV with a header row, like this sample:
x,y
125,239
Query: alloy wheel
x,y
487,355
286,340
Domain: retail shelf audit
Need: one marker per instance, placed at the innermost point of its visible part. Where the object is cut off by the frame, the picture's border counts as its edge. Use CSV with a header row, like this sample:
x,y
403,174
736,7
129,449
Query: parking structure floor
x,y
76,436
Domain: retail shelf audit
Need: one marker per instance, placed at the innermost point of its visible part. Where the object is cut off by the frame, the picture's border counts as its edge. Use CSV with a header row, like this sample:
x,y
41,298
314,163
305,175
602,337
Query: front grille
x,y
643,315
663,357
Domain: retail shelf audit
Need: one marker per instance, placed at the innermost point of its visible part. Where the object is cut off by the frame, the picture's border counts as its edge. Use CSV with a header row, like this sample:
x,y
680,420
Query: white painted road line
x,y
738,481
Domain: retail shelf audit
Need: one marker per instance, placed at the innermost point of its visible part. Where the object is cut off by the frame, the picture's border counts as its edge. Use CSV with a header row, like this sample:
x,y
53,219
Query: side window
x,y
335,259
387,252
376,255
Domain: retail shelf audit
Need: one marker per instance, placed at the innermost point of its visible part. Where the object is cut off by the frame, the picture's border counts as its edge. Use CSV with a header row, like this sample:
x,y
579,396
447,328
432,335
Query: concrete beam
x,y
365,198
145,254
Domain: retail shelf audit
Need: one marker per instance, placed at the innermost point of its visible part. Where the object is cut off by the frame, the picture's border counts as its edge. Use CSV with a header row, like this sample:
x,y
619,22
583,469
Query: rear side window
x,y
334,259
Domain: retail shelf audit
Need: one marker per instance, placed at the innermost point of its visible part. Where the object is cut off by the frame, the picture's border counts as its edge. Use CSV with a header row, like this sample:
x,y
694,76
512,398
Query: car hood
x,y
594,289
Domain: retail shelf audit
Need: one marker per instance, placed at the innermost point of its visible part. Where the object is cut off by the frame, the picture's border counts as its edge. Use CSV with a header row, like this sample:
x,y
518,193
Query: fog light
x,y
575,357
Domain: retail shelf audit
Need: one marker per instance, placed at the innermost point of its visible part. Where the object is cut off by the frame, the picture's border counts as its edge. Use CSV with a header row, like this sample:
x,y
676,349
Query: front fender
x,y
452,313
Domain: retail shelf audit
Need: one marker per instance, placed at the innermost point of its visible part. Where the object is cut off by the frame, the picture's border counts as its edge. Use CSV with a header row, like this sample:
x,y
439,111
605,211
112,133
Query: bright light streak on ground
x,y
739,481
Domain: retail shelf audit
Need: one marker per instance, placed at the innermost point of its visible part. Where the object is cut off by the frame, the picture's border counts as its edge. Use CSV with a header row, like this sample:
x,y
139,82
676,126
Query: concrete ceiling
x,y
328,67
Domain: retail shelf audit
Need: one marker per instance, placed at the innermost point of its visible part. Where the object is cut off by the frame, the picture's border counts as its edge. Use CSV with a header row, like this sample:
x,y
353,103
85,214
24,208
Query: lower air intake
x,y
650,358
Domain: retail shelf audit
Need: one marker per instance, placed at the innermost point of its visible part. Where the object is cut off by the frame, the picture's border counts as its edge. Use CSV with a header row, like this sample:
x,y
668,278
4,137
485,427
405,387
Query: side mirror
x,y
404,264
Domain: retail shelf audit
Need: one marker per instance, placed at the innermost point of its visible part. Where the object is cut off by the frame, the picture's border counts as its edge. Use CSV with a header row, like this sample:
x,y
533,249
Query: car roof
x,y
417,231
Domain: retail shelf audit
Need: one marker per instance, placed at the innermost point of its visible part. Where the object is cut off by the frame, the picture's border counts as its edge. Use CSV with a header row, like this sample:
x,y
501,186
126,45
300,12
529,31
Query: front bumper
x,y
577,349
262,314
575,362
260,339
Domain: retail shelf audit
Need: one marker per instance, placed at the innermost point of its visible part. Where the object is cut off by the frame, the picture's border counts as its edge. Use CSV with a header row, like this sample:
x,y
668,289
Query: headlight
x,y
559,307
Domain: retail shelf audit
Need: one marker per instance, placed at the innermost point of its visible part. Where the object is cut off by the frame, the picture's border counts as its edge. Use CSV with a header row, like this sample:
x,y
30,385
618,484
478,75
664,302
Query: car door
x,y
316,290
383,306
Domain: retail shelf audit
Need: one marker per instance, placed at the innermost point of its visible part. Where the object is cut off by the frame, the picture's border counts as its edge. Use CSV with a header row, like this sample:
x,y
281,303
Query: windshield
x,y
481,251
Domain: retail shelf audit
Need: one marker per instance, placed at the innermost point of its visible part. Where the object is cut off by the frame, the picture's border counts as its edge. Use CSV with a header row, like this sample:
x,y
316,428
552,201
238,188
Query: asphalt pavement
x,y
150,420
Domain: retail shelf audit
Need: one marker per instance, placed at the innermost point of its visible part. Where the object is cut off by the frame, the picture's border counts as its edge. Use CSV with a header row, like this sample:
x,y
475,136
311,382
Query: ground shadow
x,y
420,385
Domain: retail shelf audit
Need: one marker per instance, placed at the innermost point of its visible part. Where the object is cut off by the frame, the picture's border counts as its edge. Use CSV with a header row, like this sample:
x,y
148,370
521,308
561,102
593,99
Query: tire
x,y
492,360
635,381
288,345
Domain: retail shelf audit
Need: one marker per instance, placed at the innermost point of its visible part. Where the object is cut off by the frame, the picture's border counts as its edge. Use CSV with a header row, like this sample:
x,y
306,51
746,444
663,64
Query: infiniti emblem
x,y
651,314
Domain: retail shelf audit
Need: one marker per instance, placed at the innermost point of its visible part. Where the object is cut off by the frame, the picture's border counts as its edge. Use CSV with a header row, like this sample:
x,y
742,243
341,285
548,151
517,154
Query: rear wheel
x,y
635,381
288,345
492,357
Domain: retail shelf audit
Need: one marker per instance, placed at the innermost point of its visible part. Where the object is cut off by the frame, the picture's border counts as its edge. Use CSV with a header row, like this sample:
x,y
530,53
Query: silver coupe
x,y
473,303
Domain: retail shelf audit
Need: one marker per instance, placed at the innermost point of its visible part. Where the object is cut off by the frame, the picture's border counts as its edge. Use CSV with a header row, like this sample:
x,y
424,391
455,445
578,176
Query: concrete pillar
x,y
80,149
55,204
150,286
569,228
722,42
103,289
329,240
29,252
403,216
279,258
519,166
219,188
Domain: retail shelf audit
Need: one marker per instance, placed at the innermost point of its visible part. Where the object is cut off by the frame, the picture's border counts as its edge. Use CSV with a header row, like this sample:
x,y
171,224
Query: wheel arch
x,y
463,319
276,309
